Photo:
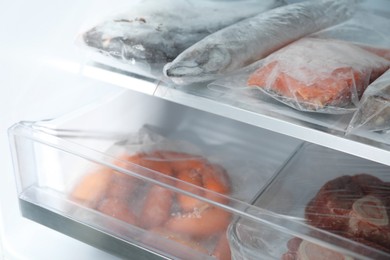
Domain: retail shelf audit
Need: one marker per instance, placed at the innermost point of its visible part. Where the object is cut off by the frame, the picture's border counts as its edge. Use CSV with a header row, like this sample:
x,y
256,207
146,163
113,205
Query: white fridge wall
x,y
38,73
39,79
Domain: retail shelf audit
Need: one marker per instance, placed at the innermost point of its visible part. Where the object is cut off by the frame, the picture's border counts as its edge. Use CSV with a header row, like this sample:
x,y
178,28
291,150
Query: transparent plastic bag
x,y
373,113
312,74
252,39
148,201
153,32
335,193
354,206
367,29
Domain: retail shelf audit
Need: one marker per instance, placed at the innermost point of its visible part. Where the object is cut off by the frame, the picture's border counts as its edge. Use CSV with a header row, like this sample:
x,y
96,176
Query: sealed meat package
x,y
341,202
318,75
154,32
373,113
254,38
357,207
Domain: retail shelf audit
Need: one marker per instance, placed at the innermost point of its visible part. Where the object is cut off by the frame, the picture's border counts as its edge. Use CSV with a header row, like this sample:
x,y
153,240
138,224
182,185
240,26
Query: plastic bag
x,y
146,203
153,32
373,113
341,194
245,42
369,30
312,74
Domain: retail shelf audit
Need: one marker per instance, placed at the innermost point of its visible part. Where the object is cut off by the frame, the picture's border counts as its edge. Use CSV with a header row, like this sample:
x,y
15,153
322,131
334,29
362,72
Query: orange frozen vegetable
x,y
118,209
157,207
92,187
201,222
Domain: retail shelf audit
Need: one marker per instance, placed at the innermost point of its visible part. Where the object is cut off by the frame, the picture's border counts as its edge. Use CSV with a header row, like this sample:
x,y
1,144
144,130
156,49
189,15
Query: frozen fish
x,y
156,31
252,39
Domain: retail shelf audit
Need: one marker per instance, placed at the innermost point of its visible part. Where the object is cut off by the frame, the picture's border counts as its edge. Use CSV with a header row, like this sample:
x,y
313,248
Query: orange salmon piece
x,y
317,73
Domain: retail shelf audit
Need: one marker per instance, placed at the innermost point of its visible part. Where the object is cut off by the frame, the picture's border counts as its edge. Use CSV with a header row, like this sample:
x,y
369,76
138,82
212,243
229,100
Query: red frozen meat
x,y
356,207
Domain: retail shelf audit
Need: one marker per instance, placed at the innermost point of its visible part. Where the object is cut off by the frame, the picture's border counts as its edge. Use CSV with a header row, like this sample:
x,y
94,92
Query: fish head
x,y
129,39
198,64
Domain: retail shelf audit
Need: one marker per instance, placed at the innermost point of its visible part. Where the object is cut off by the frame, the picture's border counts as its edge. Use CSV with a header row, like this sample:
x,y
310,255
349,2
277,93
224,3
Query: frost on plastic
x,y
154,32
373,113
252,39
150,205
317,75
341,200
368,30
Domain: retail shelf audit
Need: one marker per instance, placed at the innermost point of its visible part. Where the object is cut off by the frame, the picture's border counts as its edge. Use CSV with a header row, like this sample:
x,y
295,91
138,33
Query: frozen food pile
x,y
314,56
156,32
183,219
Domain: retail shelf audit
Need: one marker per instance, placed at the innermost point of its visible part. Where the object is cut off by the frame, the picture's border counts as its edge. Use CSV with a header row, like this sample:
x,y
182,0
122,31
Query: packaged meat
x,y
373,113
153,33
317,75
252,39
356,206
331,194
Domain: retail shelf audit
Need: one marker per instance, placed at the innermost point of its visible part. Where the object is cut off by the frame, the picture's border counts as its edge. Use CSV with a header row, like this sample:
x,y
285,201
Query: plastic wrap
x,y
312,74
373,113
161,211
334,192
355,206
252,39
153,33
366,28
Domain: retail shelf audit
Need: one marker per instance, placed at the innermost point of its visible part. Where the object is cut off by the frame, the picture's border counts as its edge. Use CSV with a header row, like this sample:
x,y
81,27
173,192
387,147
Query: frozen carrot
x,y
202,222
182,239
157,207
188,203
91,189
222,249
118,209
121,186
182,161
124,160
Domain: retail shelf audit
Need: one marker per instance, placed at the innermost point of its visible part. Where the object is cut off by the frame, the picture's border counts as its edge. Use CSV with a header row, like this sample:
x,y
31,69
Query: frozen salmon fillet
x,y
321,75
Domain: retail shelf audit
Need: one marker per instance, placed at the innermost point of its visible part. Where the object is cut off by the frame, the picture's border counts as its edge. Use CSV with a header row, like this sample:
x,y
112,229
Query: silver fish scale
x,y
165,28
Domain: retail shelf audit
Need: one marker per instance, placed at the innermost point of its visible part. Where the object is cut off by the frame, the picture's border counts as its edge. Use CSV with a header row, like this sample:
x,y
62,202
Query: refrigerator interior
x,y
39,74
43,77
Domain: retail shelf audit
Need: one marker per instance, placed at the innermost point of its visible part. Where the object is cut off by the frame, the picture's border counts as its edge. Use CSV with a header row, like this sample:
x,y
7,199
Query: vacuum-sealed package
x,y
330,193
373,113
313,74
152,33
252,39
354,206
